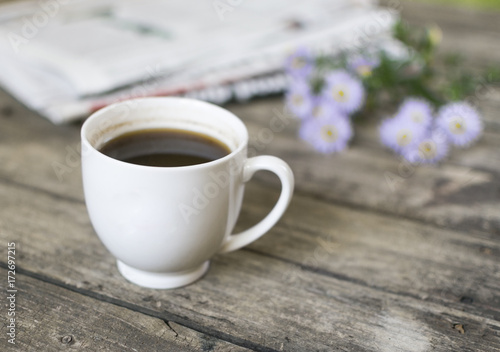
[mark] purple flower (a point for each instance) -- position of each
(399, 134)
(429, 150)
(460, 122)
(306, 129)
(299, 99)
(363, 66)
(300, 63)
(327, 135)
(322, 108)
(344, 91)
(416, 111)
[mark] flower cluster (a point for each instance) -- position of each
(325, 99)
(422, 138)
(325, 112)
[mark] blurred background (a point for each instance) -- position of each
(478, 4)
(66, 59)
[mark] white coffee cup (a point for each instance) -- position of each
(163, 224)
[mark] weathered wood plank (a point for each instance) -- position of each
(458, 194)
(473, 33)
(454, 17)
(30, 145)
(51, 318)
(266, 302)
(358, 177)
(314, 221)
(481, 156)
(381, 283)
(386, 253)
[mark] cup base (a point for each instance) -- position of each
(162, 280)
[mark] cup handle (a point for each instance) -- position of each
(283, 171)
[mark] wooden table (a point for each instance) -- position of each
(354, 265)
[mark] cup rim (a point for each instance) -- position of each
(98, 114)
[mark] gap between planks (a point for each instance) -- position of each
(242, 271)
(167, 317)
(308, 268)
(64, 288)
(298, 191)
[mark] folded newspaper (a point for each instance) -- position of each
(66, 59)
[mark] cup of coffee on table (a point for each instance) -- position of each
(164, 180)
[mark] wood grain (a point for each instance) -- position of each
(350, 178)
(473, 33)
(295, 299)
(355, 264)
(51, 318)
(382, 252)
(461, 193)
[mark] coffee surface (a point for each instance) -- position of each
(165, 148)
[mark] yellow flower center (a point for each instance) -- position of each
(364, 70)
(457, 125)
(416, 117)
(404, 138)
(297, 99)
(340, 94)
(435, 35)
(329, 133)
(427, 149)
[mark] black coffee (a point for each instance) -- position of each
(165, 147)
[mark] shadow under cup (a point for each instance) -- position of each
(163, 224)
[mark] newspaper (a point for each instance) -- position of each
(65, 59)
